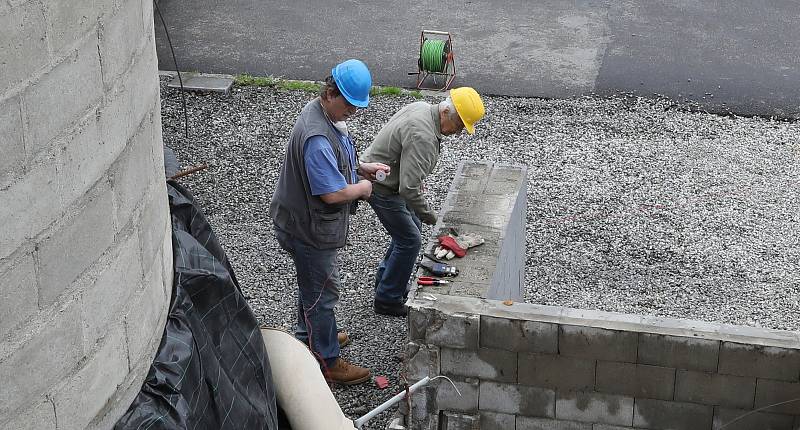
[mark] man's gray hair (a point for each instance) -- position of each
(448, 103)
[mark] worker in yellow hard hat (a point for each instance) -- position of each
(410, 144)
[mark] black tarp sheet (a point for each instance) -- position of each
(211, 370)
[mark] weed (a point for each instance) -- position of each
(311, 87)
(386, 91)
(256, 81)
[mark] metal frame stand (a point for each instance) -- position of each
(449, 67)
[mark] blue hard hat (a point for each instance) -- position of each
(354, 82)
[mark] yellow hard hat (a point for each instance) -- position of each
(468, 105)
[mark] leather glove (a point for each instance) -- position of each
(456, 246)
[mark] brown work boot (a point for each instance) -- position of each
(345, 373)
(343, 339)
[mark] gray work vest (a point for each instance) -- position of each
(293, 208)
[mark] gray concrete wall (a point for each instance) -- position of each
(489, 199)
(85, 249)
(523, 366)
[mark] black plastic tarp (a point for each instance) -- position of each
(211, 370)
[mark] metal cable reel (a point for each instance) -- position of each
(435, 60)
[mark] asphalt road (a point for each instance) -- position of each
(723, 56)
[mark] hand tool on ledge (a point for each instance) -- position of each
(430, 280)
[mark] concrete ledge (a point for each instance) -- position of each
(607, 320)
(203, 82)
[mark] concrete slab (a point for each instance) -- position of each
(203, 82)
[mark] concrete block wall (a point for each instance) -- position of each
(488, 199)
(520, 366)
(528, 366)
(85, 245)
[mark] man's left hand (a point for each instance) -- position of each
(368, 170)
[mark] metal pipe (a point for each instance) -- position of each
(400, 396)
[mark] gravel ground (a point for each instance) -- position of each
(634, 206)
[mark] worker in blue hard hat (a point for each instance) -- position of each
(319, 184)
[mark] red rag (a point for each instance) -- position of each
(451, 244)
(381, 382)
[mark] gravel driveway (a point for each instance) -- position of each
(633, 206)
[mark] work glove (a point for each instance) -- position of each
(456, 246)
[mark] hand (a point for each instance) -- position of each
(456, 246)
(366, 189)
(428, 218)
(368, 170)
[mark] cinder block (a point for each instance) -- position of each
(456, 330)
(740, 419)
(497, 421)
(40, 416)
(636, 380)
(62, 339)
(84, 159)
(715, 389)
(784, 395)
(759, 361)
(70, 22)
(518, 335)
(516, 399)
(12, 163)
(92, 231)
(24, 217)
(424, 414)
(457, 421)
(105, 300)
(144, 322)
(448, 399)
(594, 408)
(131, 177)
(661, 414)
(529, 423)
(24, 49)
(18, 295)
(82, 396)
(418, 321)
(77, 82)
(679, 352)
(485, 364)
(152, 228)
(127, 106)
(556, 371)
(117, 47)
(597, 343)
(423, 360)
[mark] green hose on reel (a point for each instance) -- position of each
(433, 55)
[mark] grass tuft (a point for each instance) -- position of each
(386, 91)
(245, 79)
(300, 85)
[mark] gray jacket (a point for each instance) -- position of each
(410, 144)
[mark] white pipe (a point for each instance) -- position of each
(400, 396)
(300, 388)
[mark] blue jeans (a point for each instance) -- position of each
(402, 224)
(318, 293)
